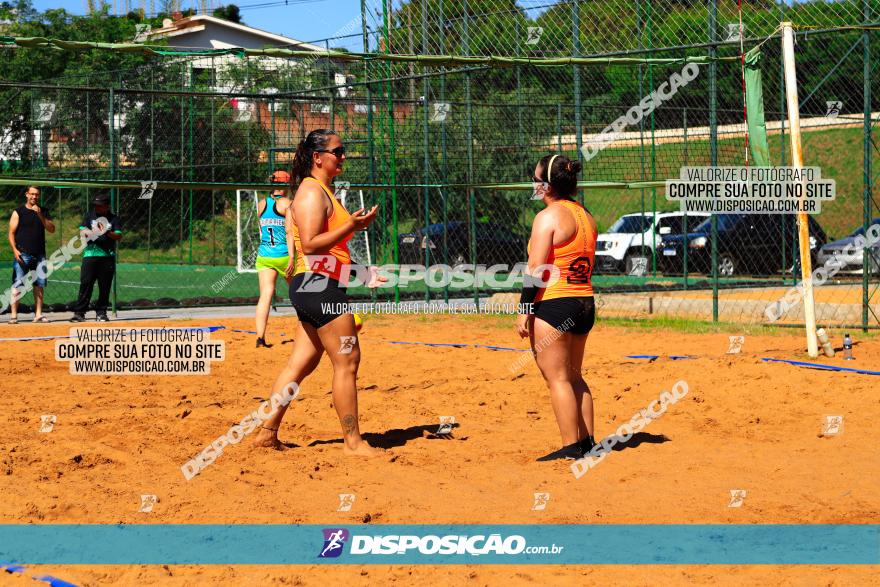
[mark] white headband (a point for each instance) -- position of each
(550, 167)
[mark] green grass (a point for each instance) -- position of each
(151, 282)
(690, 326)
(654, 324)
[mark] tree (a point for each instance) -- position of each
(230, 13)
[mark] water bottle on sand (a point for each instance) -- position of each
(847, 347)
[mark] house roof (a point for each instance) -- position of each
(200, 22)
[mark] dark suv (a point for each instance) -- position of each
(496, 244)
(747, 244)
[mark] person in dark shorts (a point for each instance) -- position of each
(557, 315)
(319, 230)
(27, 238)
(99, 259)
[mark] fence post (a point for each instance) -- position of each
(189, 156)
(787, 221)
(472, 212)
(112, 128)
(60, 219)
(333, 89)
(653, 152)
(152, 166)
(640, 26)
(35, 150)
(181, 176)
(427, 158)
(684, 124)
(868, 177)
(386, 14)
(88, 191)
(213, 175)
(444, 169)
(519, 121)
(713, 144)
(576, 79)
(370, 138)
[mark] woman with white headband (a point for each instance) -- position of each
(557, 312)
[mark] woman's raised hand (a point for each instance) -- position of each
(361, 219)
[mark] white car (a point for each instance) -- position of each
(627, 246)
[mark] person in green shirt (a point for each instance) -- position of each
(99, 258)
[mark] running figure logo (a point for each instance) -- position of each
(833, 425)
(319, 267)
(346, 500)
(347, 344)
(733, 32)
(342, 188)
(147, 503)
(141, 32)
(541, 500)
(534, 33)
(833, 108)
(334, 540)
(737, 496)
(639, 266)
(47, 422)
(46, 111)
(735, 344)
(441, 112)
(147, 189)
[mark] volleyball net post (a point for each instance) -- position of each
(797, 161)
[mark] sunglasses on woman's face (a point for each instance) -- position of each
(338, 151)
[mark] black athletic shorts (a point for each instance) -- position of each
(317, 299)
(575, 315)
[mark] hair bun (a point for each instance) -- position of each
(574, 167)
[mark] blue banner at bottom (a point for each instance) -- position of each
(639, 544)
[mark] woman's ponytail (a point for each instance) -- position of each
(563, 177)
(302, 160)
(302, 165)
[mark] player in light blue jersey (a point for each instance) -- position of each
(272, 257)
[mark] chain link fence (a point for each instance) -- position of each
(423, 139)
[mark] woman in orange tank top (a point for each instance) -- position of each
(558, 310)
(318, 230)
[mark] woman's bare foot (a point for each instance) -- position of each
(362, 449)
(268, 439)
